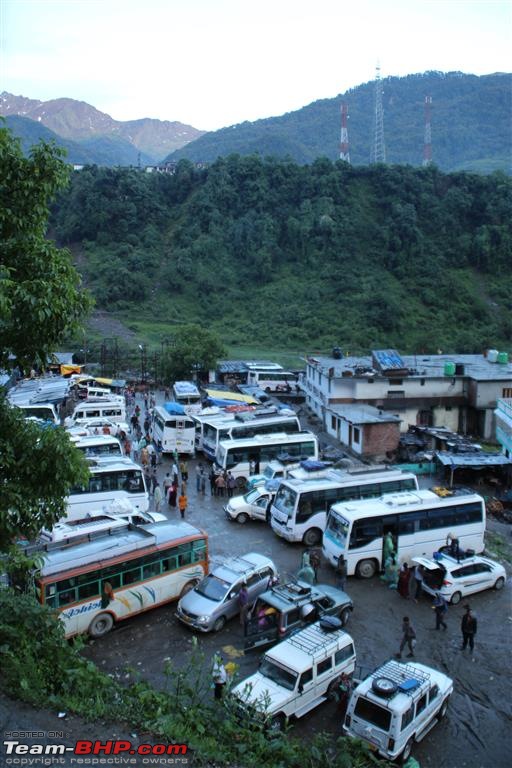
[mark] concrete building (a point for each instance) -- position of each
(503, 415)
(366, 431)
(459, 392)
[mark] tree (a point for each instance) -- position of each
(193, 349)
(40, 301)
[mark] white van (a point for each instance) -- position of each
(110, 409)
(98, 445)
(397, 705)
(298, 674)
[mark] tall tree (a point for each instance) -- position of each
(193, 349)
(40, 300)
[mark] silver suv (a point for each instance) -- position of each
(214, 600)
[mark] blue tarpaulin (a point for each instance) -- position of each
(175, 409)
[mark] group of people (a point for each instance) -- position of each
(171, 484)
(468, 627)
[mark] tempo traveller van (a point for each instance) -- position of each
(109, 409)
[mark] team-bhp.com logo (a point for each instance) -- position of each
(19, 753)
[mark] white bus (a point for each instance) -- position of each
(207, 416)
(110, 479)
(270, 377)
(119, 574)
(186, 393)
(299, 511)
(419, 522)
(175, 431)
(236, 456)
(102, 409)
(245, 425)
(43, 411)
(97, 446)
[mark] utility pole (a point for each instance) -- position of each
(378, 153)
(344, 149)
(427, 142)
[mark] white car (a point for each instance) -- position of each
(455, 579)
(95, 427)
(254, 505)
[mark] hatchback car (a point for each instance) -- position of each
(455, 578)
(214, 600)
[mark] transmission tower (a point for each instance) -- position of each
(427, 142)
(378, 154)
(344, 151)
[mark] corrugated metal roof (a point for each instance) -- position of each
(474, 460)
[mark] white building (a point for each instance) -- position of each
(459, 392)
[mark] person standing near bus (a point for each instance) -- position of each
(182, 503)
(158, 496)
(184, 470)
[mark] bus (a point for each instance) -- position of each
(186, 393)
(96, 446)
(119, 573)
(419, 522)
(247, 424)
(206, 416)
(111, 478)
(299, 511)
(43, 411)
(237, 456)
(270, 377)
(174, 429)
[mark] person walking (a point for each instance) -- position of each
(404, 578)
(408, 638)
(418, 582)
(144, 457)
(341, 573)
(182, 503)
(184, 470)
(174, 471)
(468, 627)
(158, 497)
(173, 492)
(243, 602)
(135, 450)
(440, 607)
(314, 561)
(167, 484)
(219, 676)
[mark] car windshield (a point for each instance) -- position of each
(284, 677)
(269, 472)
(213, 588)
(252, 496)
(373, 713)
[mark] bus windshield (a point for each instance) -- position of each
(285, 500)
(337, 528)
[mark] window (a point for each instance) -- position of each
(292, 617)
(365, 531)
(152, 569)
(373, 713)
(434, 693)
(421, 704)
(88, 590)
(130, 577)
(407, 718)
(67, 596)
(395, 382)
(343, 654)
(357, 435)
(507, 392)
(334, 423)
(305, 678)
(369, 491)
(324, 666)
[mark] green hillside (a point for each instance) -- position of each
(105, 150)
(282, 255)
(470, 125)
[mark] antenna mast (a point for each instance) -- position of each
(427, 142)
(378, 154)
(344, 149)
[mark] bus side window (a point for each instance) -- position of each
(169, 563)
(67, 596)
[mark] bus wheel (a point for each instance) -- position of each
(311, 537)
(366, 569)
(100, 625)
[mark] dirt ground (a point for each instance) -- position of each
(476, 730)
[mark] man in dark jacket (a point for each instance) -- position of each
(468, 627)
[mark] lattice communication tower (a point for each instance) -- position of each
(378, 153)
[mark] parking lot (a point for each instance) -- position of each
(476, 729)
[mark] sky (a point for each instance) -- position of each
(214, 63)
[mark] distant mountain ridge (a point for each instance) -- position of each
(470, 125)
(78, 121)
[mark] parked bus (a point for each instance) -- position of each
(237, 456)
(97, 446)
(110, 479)
(245, 425)
(207, 416)
(299, 511)
(270, 377)
(119, 573)
(102, 409)
(43, 411)
(419, 522)
(175, 431)
(186, 393)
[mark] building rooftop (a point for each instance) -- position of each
(363, 414)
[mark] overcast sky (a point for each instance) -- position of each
(212, 63)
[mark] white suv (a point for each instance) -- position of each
(455, 578)
(397, 705)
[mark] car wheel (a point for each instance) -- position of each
(332, 689)
(219, 624)
(312, 537)
(188, 587)
(278, 723)
(268, 390)
(345, 616)
(101, 625)
(366, 569)
(444, 707)
(456, 598)
(242, 518)
(500, 583)
(384, 686)
(407, 751)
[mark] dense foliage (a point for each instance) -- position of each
(470, 125)
(41, 667)
(40, 301)
(192, 349)
(301, 256)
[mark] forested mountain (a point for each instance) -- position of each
(470, 125)
(305, 256)
(107, 141)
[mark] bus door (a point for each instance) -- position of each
(389, 526)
